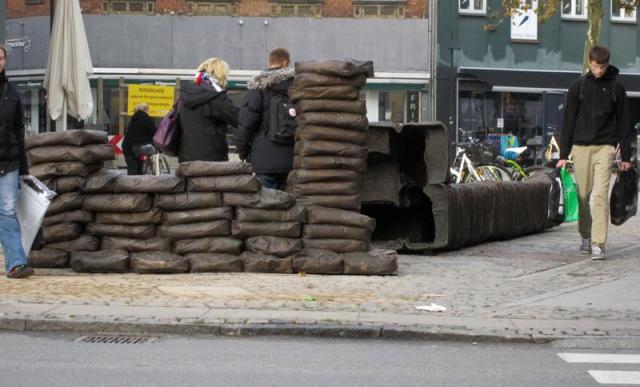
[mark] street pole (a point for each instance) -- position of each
(2, 25)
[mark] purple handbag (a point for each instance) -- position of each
(167, 135)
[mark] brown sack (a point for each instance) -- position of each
(197, 216)
(158, 262)
(232, 183)
(375, 262)
(48, 259)
(324, 215)
(66, 202)
(344, 202)
(330, 231)
(325, 133)
(214, 263)
(153, 216)
(52, 170)
(277, 229)
(336, 67)
(77, 216)
(122, 231)
(188, 201)
(61, 232)
(105, 261)
(83, 243)
(320, 80)
(326, 188)
(301, 176)
(147, 184)
(326, 92)
(267, 199)
(209, 245)
(117, 203)
(102, 180)
(87, 154)
(329, 148)
(70, 137)
(195, 230)
(314, 261)
(213, 168)
(136, 245)
(330, 162)
(358, 106)
(280, 247)
(294, 214)
(338, 120)
(65, 184)
(260, 263)
(336, 245)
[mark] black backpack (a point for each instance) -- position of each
(282, 125)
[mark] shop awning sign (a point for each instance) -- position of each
(524, 22)
(159, 98)
(24, 42)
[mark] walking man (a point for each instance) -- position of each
(13, 164)
(596, 120)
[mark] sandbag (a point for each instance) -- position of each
(158, 262)
(327, 188)
(153, 216)
(335, 67)
(188, 201)
(70, 201)
(102, 180)
(212, 168)
(122, 231)
(344, 202)
(324, 215)
(314, 261)
(104, 261)
(61, 232)
(82, 243)
(375, 262)
(195, 230)
(77, 216)
(51, 170)
(321, 80)
(65, 184)
(266, 198)
(259, 263)
(358, 106)
(147, 184)
(48, 258)
(330, 162)
(70, 137)
(117, 202)
(336, 245)
(231, 183)
(338, 120)
(197, 216)
(294, 214)
(326, 92)
(276, 229)
(325, 133)
(331, 231)
(136, 245)
(300, 176)
(214, 263)
(279, 247)
(329, 148)
(88, 154)
(209, 245)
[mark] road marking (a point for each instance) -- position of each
(616, 377)
(599, 358)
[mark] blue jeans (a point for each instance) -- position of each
(10, 234)
(273, 180)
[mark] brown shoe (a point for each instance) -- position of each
(20, 271)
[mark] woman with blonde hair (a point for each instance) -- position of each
(205, 112)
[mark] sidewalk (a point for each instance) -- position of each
(535, 288)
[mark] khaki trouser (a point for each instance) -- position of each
(593, 170)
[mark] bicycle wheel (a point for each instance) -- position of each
(147, 167)
(534, 171)
(488, 173)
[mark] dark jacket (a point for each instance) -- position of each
(140, 131)
(12, 152)
(204, 115)
(250, 137)
(594, 116)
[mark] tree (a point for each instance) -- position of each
(548, 8)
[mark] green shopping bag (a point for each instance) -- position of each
(571, 201)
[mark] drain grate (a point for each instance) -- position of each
(116, 339)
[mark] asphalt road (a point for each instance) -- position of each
(60, 360)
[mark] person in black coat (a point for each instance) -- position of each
(140, 132)
(271, 161)
(205, 112)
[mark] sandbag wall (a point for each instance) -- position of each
(330, 153)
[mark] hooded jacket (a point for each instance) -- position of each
(12, 152)
(204, 115)
(250, 138)
(594, 116)
(140, 131)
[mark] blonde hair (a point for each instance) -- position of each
(142, 107)
(217, 68)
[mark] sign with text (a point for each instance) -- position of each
(524, 22)
(413, 106)
(159, 99)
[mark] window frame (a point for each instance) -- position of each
(107, 7)
(573, 15)
(623, 19)
(472, 10)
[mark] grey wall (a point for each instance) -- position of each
(182, 42)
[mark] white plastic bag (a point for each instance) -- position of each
(33, 201)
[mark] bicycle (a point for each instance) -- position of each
(464, 171)
(153, 161)
(516, 171)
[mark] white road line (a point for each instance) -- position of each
(616, 377)
(599, 358)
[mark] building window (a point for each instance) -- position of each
(473, 7)
(144, 7)
(620, 13)
(34, 2)
(378, 10)
(211, 8)
(296, 9)
(574, 9)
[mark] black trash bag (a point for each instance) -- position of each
(48, 258)
(624, 197)
(209, 245)
(314, 261)
(214, 263)
(158, 262)
(104, 261)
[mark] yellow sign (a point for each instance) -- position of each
(159, 99)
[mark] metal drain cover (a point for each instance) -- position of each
(116, 339)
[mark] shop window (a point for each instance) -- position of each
(211, 8)
(34, 2)
(574, 9)
(621, 13)
(378, 10)
(391, 106)
(145, 7)
(473, 7)
(296, 9)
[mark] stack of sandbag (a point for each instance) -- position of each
(63, 161)
(330, 152)
(337, 230)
